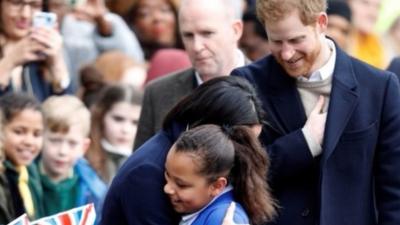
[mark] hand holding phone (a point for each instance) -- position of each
(44, 32)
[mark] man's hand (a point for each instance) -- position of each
(315, 123)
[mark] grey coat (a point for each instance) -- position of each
(160, 96)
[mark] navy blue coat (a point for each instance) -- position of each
(34, 80)
(136, 195)
(357, 177)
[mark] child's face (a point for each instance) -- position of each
(187, 190)
(62, 150)
(120, 124)
(23, 137)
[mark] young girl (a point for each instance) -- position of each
(22, 141)
(210, 166)
(113, 129)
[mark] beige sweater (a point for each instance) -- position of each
(310, 92)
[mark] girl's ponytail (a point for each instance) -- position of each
(249, 174)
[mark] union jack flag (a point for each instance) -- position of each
(22, 220)
(84, 215)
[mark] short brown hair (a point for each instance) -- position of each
(61, 112)
(275, 10)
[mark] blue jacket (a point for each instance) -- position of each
(214, 213)
(34, 82)
(356, 180)
(136, 195)
(91, 188)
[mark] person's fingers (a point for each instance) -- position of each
(319, 107)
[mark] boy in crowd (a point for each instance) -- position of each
(68, 180)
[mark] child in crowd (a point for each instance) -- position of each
(114, 122)
(210, 166)
(68, 180)
(22, 128)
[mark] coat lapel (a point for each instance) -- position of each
(343, 100)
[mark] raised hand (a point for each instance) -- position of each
(315, 123)
(50, 41)
(94, 11)
(91, 10)
(21, 52)
(51, 48)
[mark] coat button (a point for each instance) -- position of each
(305, 212)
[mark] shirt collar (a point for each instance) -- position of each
(326, 70)
(190, 218)
(241, 61)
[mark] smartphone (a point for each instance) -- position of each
(75, 3)
(44, 19)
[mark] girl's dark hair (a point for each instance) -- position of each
(234, 153)
(223, 100)
(109, 96)
(13, 103)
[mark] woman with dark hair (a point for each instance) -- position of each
(136, 194)
(31, 58)
(221, 101)
(113, 129)
(155, 23)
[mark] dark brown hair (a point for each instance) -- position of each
(227, 100)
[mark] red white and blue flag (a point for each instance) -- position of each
(84, 215)
(22, 220)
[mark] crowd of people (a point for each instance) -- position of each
(200, 112)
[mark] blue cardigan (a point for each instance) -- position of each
(33, 81)
(215, 212)
(91, 188)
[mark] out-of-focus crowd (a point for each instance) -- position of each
(78, 97)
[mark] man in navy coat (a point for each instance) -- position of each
(333, 123)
